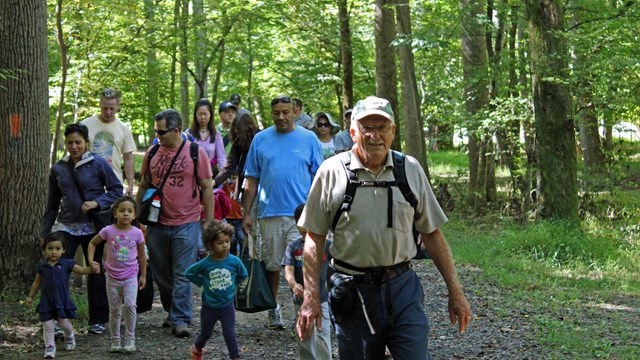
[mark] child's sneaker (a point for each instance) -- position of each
(70, 343)
(129, 345)
(195, 353)
(50, 352)
(115, 346)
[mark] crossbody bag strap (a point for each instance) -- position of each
(76, 180)
(166, 176)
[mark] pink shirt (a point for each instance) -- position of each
(121, 251)
(179, 207)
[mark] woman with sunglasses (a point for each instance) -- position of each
(79, 185)
(327, 129)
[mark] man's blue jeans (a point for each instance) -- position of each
(406, 338)
(172, 249)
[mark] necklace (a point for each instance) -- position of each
(204, 131)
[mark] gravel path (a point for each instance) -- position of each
(496, 331)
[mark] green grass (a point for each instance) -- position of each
(557, 268)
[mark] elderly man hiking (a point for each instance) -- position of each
(376, 299)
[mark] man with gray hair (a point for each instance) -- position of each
(375, 298)
(173, 241)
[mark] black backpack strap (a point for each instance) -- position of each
(350, 191)
(400, 174)
(152, 153)
(193, 152)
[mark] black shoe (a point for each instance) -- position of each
(97, 329)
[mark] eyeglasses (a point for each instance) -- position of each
(327, 125)
(163, 132)
(281, 99)
(369, 130)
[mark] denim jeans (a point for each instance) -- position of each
(406, 338)
(238, 238)
(172, 249)
(96, 283)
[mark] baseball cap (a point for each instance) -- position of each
(225, 105)
(372, 106)
(235, 99)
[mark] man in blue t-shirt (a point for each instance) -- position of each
(280, 165)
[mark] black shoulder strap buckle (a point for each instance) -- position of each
(193, 152)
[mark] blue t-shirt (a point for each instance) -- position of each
(293, 256)
(218, 279)
(285, 165)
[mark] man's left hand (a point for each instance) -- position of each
(460, 311)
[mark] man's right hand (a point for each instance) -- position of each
(310, 313)
(247, 225)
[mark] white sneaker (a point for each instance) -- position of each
(70, 343)
(50, 352)
(129, 345)
(115, 346)
(275, 319)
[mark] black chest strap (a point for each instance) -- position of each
(400, 180)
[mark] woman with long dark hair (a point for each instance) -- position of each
(203, 131)
(71, 201)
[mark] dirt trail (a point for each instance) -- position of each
(496, 332)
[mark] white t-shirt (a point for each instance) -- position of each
(110, 141)
(328, 148)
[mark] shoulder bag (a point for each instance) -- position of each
(253, 294)
(152, 199)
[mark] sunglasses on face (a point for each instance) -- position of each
(281, 99)
(324, 125)
(163, 132)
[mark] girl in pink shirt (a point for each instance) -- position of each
(123, 256)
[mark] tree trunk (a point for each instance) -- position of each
(475, 63)
(184, 64)
(216, 81)
(153, 106)
(413, 132)
(25, 144)
(197, 24)
(386, 81)
(555, 132)
(346, 58)
(64, 67)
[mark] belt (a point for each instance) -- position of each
(377, 274)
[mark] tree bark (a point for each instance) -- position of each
(475, 64)
(413, 132)
(386, 80)
(184, 65)
(25, 143)
(64, 67)
(153, 106)
(346, 58)
(555, 132)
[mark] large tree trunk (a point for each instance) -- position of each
(475, 63)
(25, 142)
(386, 80)
(413, 132)
(346, 57)
(555, 132)
(64, 67)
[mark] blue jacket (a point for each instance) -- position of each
(63, 198)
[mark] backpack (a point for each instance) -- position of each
(193, 153)
(400, 181)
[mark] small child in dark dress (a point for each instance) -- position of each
(52, 276)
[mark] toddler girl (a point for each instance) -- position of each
(218, 275)
(55, 302)
(123, 255)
